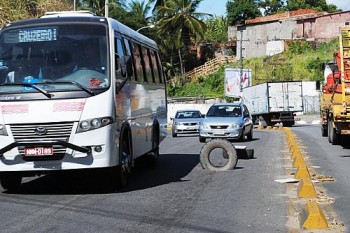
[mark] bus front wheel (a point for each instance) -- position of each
(11, 181)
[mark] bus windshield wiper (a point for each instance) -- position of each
(84, 88)
(46, 93)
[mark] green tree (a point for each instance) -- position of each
(98, 6)
(271, 6)
(179, 19)
(138, 14)
(23, 9)
(216, 29)
(320, 5)
(240, 10)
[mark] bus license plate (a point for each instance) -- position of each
(38, 151)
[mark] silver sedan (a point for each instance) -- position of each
(186, 122)
(227, 120)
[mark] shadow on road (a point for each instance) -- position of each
(170, 168)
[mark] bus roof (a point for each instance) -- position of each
(85, 16)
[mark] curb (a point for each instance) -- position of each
(314, 217)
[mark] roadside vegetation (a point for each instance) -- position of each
(302, 61)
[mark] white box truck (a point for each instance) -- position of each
(275, 102)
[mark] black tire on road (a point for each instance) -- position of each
(174, 134)
(214, 144)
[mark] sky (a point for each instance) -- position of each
(218, 7)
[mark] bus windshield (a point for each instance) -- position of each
(53, 57)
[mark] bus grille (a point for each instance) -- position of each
(54, 132)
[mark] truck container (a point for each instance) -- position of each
(274, 102)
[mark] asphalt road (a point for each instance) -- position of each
(176, 196)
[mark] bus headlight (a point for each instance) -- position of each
(3, 130)
(94, 123)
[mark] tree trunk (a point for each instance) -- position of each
(181, 67)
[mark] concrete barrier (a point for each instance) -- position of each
(313, 217)
(302, 173)
(299, 161)
(306, 189)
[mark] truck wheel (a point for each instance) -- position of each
(11, 182)
(324, 131)
(230, 154)
(330, 130)
(335, 137)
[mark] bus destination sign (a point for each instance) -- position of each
(31, 35)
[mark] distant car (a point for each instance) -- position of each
(186, 122)
(227, 120)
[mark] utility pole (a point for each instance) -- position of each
(241, 29)
(241, 59)
(106, 8)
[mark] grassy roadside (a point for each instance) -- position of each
(300, 61)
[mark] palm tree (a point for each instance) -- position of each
(98, 6)
(139, 12)
(179, 19)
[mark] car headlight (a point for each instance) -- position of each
(178, 123)
(95, 123)
(234, 126)
(3, 130)
(204, 126)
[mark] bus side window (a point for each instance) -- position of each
(138, 62)
(147, 65)
(155, 67)
(159, 66)
(119, 55)
(129, 53)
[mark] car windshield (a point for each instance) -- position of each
(224, 111)
(53, 57)
(188, 114)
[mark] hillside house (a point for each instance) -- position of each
(266, 35)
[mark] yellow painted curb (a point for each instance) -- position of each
(299, 161)
(296, 153)
(260, 127)
(302, 173)
(306, 189)
(269, 127)
(315, 217)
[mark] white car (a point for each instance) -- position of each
(227, 120)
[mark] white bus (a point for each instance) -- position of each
(78, 91)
